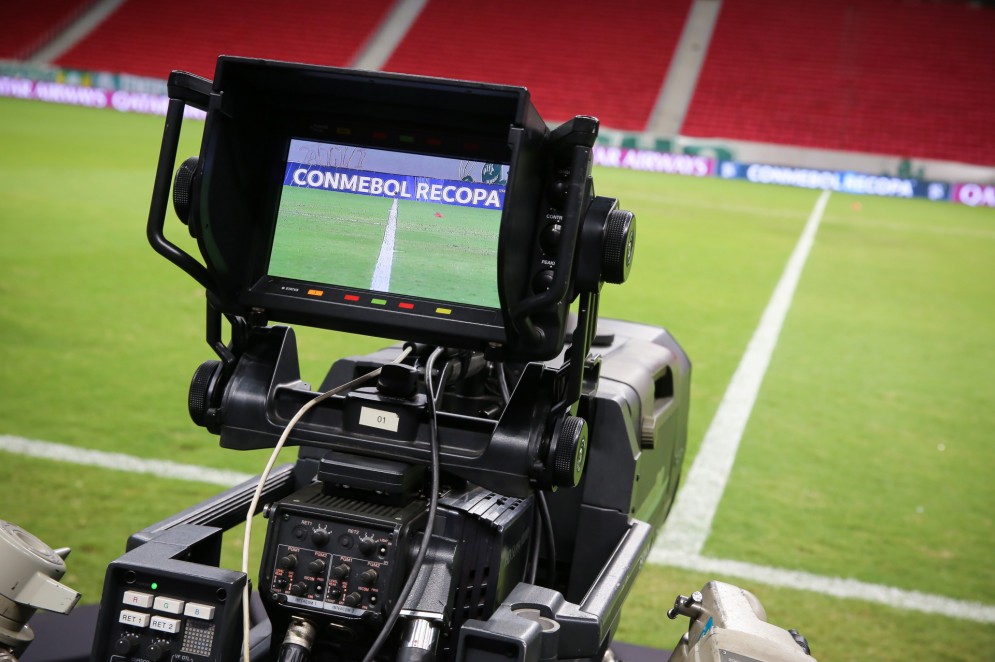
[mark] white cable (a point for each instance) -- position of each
(257, 495)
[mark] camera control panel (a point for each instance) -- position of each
(335, 556)
(160, 615)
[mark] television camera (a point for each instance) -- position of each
(486, 490)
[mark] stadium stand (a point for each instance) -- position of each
(577, 56)
(26, 25)
(153, 37)
(912, 79)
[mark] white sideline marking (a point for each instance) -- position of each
(687, 527)
(385, 262)
(838, 587)
(833, 586)
(120, 462)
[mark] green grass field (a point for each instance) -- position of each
(441, 252)
(328, 237)
(867, 455)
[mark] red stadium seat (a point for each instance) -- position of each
(27, 25)
(911, 79)
(153, 37)
(575, 57)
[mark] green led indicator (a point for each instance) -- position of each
(154, 586)
(407, 139)
(379, 302)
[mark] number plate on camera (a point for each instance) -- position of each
(378, 418)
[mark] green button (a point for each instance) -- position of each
(379, 302)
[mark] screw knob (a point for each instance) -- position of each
(204, 381)
(619, 245)
(569, 455)
(182, 188)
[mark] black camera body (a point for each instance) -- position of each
(497, 488)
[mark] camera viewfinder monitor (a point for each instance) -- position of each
(379, 204)
(375, 232)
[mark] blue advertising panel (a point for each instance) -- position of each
(844, 181)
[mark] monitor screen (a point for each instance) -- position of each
(392, 222)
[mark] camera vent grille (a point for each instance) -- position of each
(353, 506)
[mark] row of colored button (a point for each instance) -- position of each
(403, 305)
(168, 605)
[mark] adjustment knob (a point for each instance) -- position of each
(340, 571)
(367, 545)
(158, 650)
(182, 188)
(202, 386)
(353, 599)
(316, 567)
(549, 238)
(369, 576)
(558, 190)
(288, 562)
(543, 280)
(570, 452)
(125, 645)
(397, 380)
(319, 537)
(618, 246)
(298, 589)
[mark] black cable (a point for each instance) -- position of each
(533, 562)
(547, 527)
(503, 382)
(429, 523)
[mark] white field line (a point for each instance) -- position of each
(120, 462)
(838, 587)
(689, 523)
(833, 586)
(687, 527)
(385, 262)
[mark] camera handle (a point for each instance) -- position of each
(572, 142)
(183, 88)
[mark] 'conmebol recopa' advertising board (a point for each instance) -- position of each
(834, 180)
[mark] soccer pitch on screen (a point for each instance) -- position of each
(867, 455)
(438, 251)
